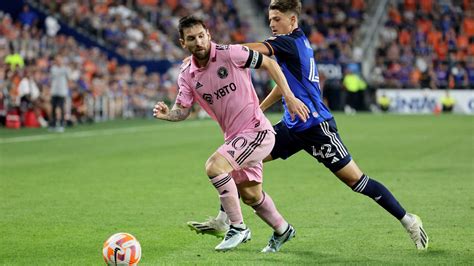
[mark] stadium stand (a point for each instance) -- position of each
(116, 25)
(100, 87)
(427, 44)
(332, 27)
(146, 29)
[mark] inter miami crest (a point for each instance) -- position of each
(208, 98)
(222, 72)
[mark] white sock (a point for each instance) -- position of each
(282, 228)
(222, 217)
(240, 226)
(407, 220)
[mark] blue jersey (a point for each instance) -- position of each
(296, 59)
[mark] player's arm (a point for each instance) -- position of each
(273, 97)
(295, 106)
(259, 47)
(177, 113)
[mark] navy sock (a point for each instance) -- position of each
(380, 194)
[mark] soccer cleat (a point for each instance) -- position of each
(276, 241)
(212, 226)
(417, 233)
(233, 238)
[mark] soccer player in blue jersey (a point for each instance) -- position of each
(318, 136)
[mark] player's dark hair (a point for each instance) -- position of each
(188, 22)
(284, 6)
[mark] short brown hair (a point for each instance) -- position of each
(188, 22)
(284, 6)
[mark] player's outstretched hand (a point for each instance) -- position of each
(297, 107)
(161, 110)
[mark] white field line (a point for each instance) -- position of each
(94, 133)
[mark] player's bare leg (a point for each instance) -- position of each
(215, 226)
(253, 195)
(218, 169)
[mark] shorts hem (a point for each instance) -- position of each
(340, 165)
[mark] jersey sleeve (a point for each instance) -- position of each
(279, 45)
(185, 96)
(245, 57)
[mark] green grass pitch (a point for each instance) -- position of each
(63, 195)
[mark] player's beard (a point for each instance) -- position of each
(202, 54)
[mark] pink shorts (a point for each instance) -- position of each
(245, 152)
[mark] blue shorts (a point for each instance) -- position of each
(321, 141)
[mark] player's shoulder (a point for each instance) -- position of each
(223, 51)
(286, 37)
(231, 47)
(185, 65)
(222, 47)
(279, 37)
(229, 51)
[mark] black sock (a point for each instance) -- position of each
(380, 194)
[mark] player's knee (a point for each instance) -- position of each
(349, 174)
(250, 199)
(209, 166)
(212, 168)
(350, 182)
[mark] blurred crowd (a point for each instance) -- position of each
(146, 29)
(427, 44)
(98, 87)
(424, 44)
(331, 27)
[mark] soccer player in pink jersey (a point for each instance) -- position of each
(218, 79)
(318, 135)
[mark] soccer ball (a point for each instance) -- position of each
(122, 249)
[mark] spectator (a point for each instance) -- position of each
(428, 78)
(15, 60)
(442, 75)
(470, 73)
(59, 92)
(79, 113)
(458, 78)
(3, 97)
(447, 102)
(383, 103)
(52, 26)
(28, 17)
(354, 87)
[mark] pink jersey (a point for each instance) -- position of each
(224, 89)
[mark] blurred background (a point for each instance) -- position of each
(112, 59)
